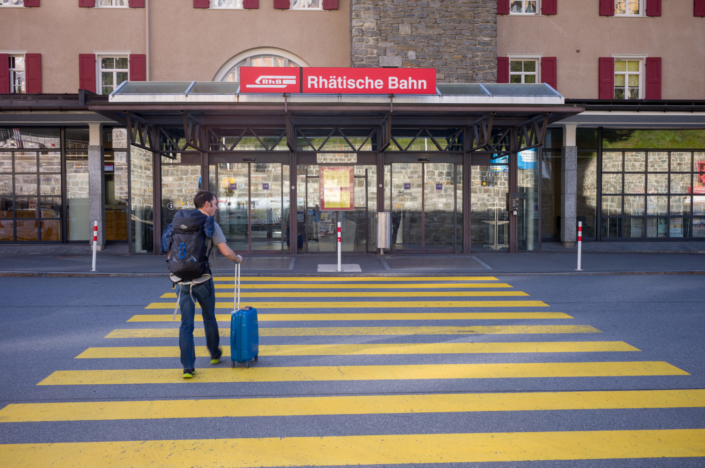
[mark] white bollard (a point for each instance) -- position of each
(580, 243)
(339, 249)
(95, 242)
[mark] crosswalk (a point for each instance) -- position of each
(408, 341)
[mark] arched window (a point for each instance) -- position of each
(264, 57)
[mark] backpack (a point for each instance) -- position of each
(166, 239)
(189, 246)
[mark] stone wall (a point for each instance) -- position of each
(456, 37)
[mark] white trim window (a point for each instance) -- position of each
(11, 3)
(524, 7)
(113, 70)
(17, 75)
(306, 4)
(259, 61)
(226, 4)
(628, 78)
(112, 3)
(630, 8)
(524, 70)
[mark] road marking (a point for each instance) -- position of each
(357, 373)
(356, 278)
(370, 349)
(368, 286)
(366, 331)
(363, 450)
(367, 316)
(363, 304)
(276, 294)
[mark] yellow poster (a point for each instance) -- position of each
(336, 187)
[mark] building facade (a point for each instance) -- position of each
(626, 157)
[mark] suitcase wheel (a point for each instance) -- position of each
(248, 364)
(232, 364)
(256, 358)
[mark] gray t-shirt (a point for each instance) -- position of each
(218, 236)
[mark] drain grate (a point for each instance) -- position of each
(423, 262)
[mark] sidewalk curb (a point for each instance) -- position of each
(23, 274)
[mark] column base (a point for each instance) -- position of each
(568, 245)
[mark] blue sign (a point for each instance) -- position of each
(502, 160)
(407, 186)
(527, 159)
(233, 186)
(439, 186)
(265, 186)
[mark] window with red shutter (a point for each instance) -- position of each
(606, 73)
(502, 7)
(653, 78)
(250, 4)
(86, 72)
(86, 3)
(31, 3)
(281, 4)
(606, 7)
(653, 7)
(138, 67)
(699, 8)
(549, 71)
(4, 73)
(330, 4)
(33, 73)
(502, 69)
(201, 3)
(136, 3)
(549, 7)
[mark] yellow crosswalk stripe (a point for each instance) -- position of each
(276, 294)
(363, 450)
(343, 279)
(369, 349)
(363, 304)
(365, 404)
(368, 286)
(367, 316)
(356, 373)
(366, 331)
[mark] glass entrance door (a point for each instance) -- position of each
(488, 215)
(251, 205)
(426, 211)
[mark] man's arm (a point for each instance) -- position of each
(228, 252)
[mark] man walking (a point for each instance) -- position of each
(194, 234)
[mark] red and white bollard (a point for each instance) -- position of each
(580, 244)
(95, 242)
(340, 267)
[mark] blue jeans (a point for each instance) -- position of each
(205, 295)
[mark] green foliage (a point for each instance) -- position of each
(656, 139)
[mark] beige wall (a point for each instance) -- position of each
(186, 43)
(677, 37)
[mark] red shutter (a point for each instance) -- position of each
(86, 72)
(699, 7)
(33, 73)
(330, 4)
(606, 89)
(653, 7)
(502, 7)
(653, 78)
(86, 3)
(201, 3)
(549, 71)
(136, 4)
(31, 3)
(138, 67)
(502, 69)
(549, 7)
(281, 4)
(606, 7)
(4, 73)
(250, 4)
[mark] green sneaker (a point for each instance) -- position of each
(189, 373)
(216, 359)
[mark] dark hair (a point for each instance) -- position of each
(202, 197)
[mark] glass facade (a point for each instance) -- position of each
(488, 198)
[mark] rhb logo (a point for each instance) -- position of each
(271, 81)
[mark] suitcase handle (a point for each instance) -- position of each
(237, 287)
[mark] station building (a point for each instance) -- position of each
(118, 111)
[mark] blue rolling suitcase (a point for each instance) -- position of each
(244, 330)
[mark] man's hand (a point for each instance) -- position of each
(239, 259)
(228, 253)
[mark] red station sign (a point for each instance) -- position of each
(338, 80)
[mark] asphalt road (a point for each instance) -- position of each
(590, 387)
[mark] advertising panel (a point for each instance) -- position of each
(336, 188)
